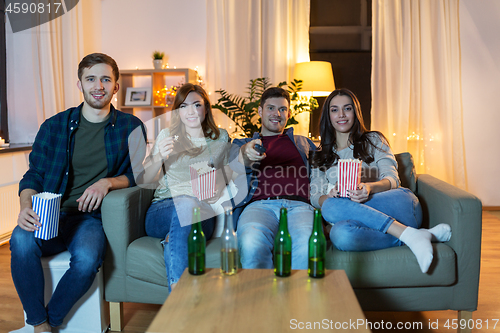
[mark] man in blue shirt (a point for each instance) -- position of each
(82, 154)
(267, 181)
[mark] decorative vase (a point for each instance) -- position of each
(158, 63)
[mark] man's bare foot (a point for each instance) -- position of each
(44, 327)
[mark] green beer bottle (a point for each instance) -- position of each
(196, 246)
(283, 247)
(317, 248)
(229, 246)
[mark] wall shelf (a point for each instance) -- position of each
(155, 115)
(154, 79)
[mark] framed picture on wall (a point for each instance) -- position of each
(138, 96)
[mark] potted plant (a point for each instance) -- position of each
(244, 110)
(158, 59)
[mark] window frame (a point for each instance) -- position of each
(4, 128)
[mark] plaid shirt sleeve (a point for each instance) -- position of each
(33, 178)
(48, 157)
(119, 151)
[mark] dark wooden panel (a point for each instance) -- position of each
(334, 42)
(335, 12)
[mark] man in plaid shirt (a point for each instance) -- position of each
(82, 154)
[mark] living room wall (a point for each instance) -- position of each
(132, 30)
(480, 44)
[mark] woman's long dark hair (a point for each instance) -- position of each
(359, 136)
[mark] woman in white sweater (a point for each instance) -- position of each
(192, 137)
(378, 214)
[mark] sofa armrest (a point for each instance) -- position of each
(123, 212)
(445, 203)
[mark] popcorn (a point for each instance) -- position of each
(203, 179)
(47, 205)
(176, 137)
(349, 175)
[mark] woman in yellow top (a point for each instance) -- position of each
(191, 138)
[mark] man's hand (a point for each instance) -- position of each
(28, 220)
(92, 198)
(361, 194)
(249, 154)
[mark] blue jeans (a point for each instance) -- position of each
(363, 227)
(165, 217)
(79, 233)
(258, 225)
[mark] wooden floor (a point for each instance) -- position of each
(138, 316)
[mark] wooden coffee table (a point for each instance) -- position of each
(255, 300)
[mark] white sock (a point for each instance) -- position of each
(440, 233)
(419, 242)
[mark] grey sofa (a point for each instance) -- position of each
(384, 280)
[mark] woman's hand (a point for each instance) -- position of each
(361, 194)
(334, 193)
(166, 147)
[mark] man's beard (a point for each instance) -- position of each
(97, 104)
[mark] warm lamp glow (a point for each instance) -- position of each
(316, 76)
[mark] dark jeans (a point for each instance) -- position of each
(79, 233)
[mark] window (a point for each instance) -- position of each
(4, 132)
(340, 33)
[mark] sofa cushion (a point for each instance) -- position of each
(145, 259)
(406, 171)
(394, 267)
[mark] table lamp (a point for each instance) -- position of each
(317, 81)
(316, 76)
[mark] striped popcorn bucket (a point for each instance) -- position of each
(203, 184)
(349, 176)
(47, 206)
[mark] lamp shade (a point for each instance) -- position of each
(316, 76)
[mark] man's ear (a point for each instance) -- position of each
(260, 111)
(117, 87)
(79, 85)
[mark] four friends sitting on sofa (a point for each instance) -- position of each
(378, 214)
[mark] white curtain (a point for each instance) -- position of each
(416, 83)
(254, 38)
(44, 82)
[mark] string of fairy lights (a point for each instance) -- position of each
(165, 96)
